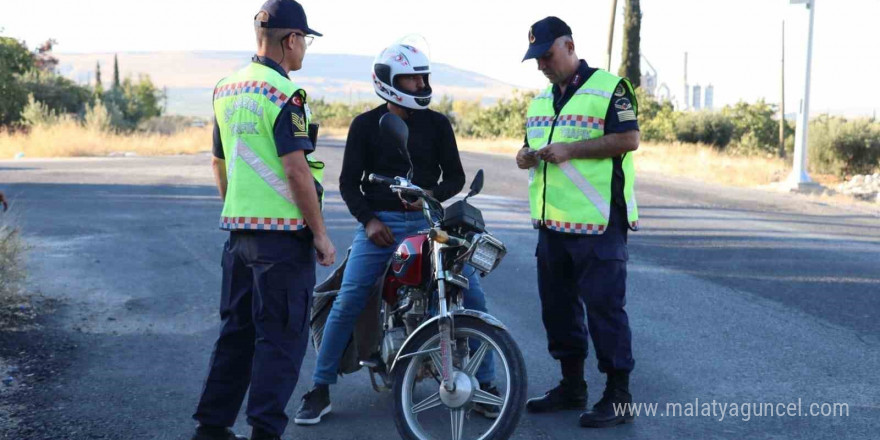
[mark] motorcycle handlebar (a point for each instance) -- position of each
(375, 178)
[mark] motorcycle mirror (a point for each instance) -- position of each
(476, 184)
(394, 130)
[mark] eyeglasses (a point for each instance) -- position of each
(307, 38)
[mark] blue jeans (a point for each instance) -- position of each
(365, 264)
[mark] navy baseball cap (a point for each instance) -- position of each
(543, 33)
(285, 14)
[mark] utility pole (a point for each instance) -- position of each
(782, 99)
(611, 34)
(799, 179)
(687, 94)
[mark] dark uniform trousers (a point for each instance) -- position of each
(582, 275)
(268, 279)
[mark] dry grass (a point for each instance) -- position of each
(335, 133)
(694, 161)
(710, 165)
(71, 140)
(502, 146)
(15, 308)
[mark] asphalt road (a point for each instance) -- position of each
(737, 296)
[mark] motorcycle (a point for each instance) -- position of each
(415, 337)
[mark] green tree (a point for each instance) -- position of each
(15, 59)
(656, 119)
(43, 58)
(116, 82)
(99, 87)
(754, 128)
(60, 94)
(629, 66)
(140, 100)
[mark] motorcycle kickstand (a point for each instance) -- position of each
(375, 369)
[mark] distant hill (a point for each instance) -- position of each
(190, 76)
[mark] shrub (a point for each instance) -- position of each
(337, 114)
(36, 114)
(11, 262)
(506, 118)
(704, 127)
(656, 119)
(58, 93)
(842, 147)
(755, 129)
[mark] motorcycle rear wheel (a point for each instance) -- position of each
(421, 414)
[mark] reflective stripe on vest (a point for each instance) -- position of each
(263, 170)
(246, 106)
(575, 196)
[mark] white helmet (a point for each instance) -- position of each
(402, 59)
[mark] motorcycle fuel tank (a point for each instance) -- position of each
(409, 260)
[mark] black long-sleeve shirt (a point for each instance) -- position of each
(434, 155)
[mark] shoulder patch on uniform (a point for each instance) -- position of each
(297, 100)
(626, 115)
(623, 104)
(619, 91)
(299, 125)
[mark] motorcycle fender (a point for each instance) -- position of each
(407, 345)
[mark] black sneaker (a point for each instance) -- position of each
(487, 410)
(615, 406)
(204, 432)
(316, 404)
(566, 395)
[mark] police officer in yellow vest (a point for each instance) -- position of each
(581, 134)
(271, 187)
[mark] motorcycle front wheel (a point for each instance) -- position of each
(424, 410)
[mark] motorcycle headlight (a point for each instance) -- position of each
(486, 253)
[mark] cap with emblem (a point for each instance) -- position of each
(543, 33)
(285, 14)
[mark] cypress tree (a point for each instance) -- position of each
(632, 23)
(99, 87)
(116, 82)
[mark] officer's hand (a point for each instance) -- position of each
(526, 158)
(555, 153)
(325, 250)
(379, 233)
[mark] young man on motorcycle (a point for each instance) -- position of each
(400, 77)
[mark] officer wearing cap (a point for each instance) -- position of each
(581, 134)
(271, 187)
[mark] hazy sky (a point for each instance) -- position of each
(734, 45)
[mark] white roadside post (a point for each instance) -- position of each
(799, 180)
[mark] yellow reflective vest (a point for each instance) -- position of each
(575, 196)
(246, 106)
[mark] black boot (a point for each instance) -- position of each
(316, 404)
(205, 432)
(615, 407)
(569, 394)
(261, 434)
